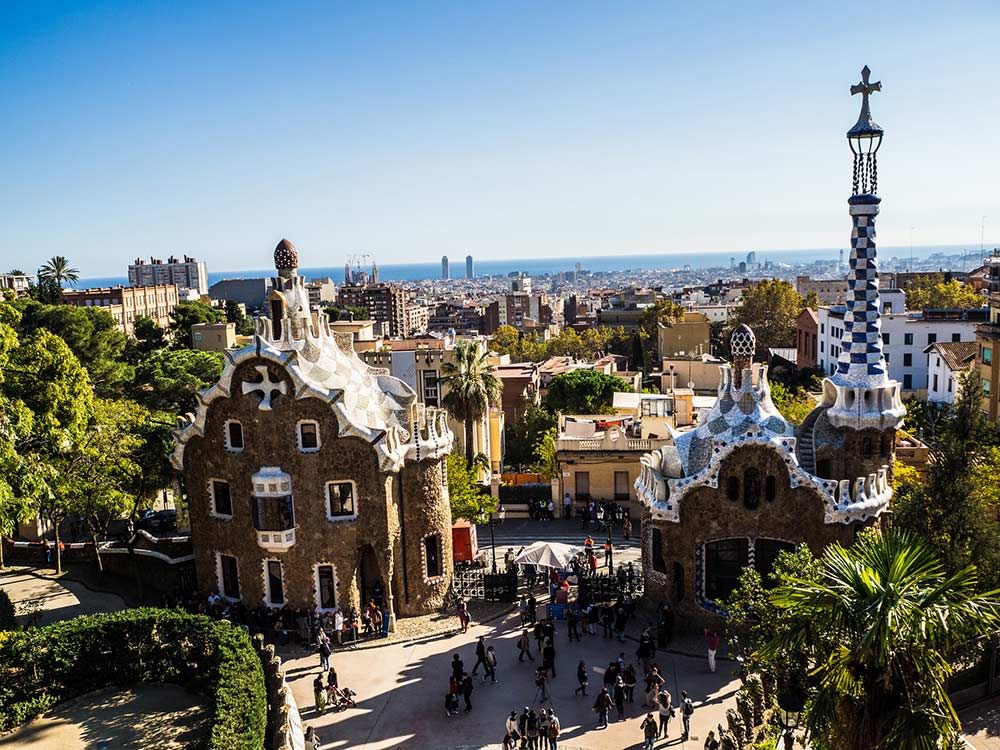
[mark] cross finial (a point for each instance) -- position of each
(865, 88)
(865, 126)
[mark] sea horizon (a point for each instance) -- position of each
(591, 264)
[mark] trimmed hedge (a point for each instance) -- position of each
(43, 666)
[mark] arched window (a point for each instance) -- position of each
(751, 488)
(733, 489)
(656, 551)
(432, 555)
(678, 582)
(770, 488)
(867, 448)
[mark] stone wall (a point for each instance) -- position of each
(426, 513)
(707, 514)
(284, 724)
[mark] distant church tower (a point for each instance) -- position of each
(860, 402)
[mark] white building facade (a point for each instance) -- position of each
(946, 362)
(188, 273)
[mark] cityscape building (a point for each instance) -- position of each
(188, 273)
(444, 268)
(470, 271)
(126, 303)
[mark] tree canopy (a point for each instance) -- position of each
(584, 392)
(58, 269)
(587, 346)
(469, 500)
(770, 307)
(167, 379)
(932, 292)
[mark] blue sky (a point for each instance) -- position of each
(502, 130)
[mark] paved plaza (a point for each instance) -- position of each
(56, 598)
(401, 692)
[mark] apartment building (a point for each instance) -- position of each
(126, 303)
(385, 303)
(188, 273)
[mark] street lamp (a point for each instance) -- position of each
(791, 703)
(493, 541)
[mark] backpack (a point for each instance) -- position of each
(687, 707)
(554, 728)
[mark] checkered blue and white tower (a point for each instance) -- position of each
(860, 395)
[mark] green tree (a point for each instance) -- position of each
(793, 403)
(770, 307)
(235, 314)
(663, 311)
(185, 315)
(149, 335)
(469, 500)
(93, 336)
(168, 378)
(472, 388)
(877, 628)
(522, 435)
(953, 509)
(932, 292)
(544, 450)
(583, 392)
(46, 291)
(58, 269)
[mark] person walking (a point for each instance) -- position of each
(712, 639)
(601, 706)
(491, 665)
(462, 610)
(663, 707)
(549, 657)
(710, 742)
(687, 709)
(324, 652)
(608, 549)
(540, 681)
(649, 731)
(620, 698)
(480, 655)
(630, 680)
(627, 527)
(554, 729)
(539, 635)
(467, 690)
(522, 607)
(532, 608)
(581, 678)
(457, 668)
(524, 647)
(319, 693)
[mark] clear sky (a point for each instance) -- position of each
(506, 129)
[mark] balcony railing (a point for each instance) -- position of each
(607, 443)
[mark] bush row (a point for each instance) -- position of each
(7, 621)
(43, 666)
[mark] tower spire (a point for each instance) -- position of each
(860, 393)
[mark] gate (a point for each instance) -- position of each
(476, 583)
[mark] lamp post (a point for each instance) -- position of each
(791, 704)
(493, 542)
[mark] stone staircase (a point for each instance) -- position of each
(806, 444)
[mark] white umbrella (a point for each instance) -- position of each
(548, 554)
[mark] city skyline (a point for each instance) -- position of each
(415, 132)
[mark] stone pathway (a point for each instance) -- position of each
(151, 717)
(981, 725)
(401, 690)
(57, 598)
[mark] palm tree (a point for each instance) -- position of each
(472, 388)
(877, 628)
(58, 269)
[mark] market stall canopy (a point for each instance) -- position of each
(548, 554)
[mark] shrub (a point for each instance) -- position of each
(7, 621)
(42, 666)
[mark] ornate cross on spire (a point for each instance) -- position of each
(266, 388)
(865, 125)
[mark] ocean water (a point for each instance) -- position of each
(594, 264)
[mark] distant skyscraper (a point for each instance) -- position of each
(347, 273)
(444, 267)
(374, 272)
(470, 269)
(751, 259)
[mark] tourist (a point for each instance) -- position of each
(549, 657)
(591, 614)
(319, 693)
(710, 742)
(551, 510)
(608, 621)
(462, 610)
(567, 507)
(581, 678)
(338, 626)
(663, 707)
(572, 618)
(627, 527)
(491, 665)
(608, 549)
(524, 647)
(645, 651)
(522, 607)
(653, 682)
(467, 690)
(592, 562)
(531, 728)
(331, 681)
(630, 679)
(687, 709)
(376, 621)
(543, 729)
(313, 741)
(480, 655)
(539, 635)
(532, 608)
(457, 667)
(511, 726)
(601, 706)
(554, 729)
(712, 642)
(522, 726)
(619, 693)
(649, 731)
(664, 624)
(324, 652)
